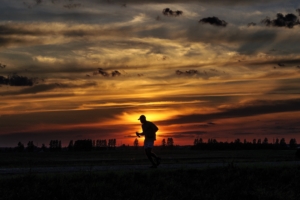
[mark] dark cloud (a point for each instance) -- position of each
(104, 73)
(62, 117)
(13, 30)
(32, 90)
(16, 80)
(285, 61)
(203, 74)
(10, 29)
(13, 34)
(251, 108)
(14, 41)
(293, 89)
(287, 86)
(115, 73)
(289, 21)
(188, 72)
(213, 21)
(39, 88)
(169, 12)
(23, 30)
(262, 107)
(3, 80)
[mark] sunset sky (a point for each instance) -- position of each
(222, 69)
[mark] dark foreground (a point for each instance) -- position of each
(124, 174)
(227, 182)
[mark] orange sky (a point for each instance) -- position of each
(74, 70)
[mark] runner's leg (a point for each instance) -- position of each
(149, 155)
(158, 159)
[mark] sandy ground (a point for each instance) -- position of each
(66, 169)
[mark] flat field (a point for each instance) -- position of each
(131, 156)
(235, 178)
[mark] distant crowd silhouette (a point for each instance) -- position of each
(213, 144)
(78, 145)
(199, 144)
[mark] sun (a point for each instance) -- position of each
(133, 117)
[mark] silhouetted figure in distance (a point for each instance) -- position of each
(149, 131)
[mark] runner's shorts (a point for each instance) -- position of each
(148, 144)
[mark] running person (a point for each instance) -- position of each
(149, 131)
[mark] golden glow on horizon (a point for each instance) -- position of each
(132, 118)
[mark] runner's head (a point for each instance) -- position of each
(142, 118)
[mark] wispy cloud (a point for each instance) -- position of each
(257, 107)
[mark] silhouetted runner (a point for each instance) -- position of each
(149, 131)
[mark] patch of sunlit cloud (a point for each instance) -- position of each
(140, 18)
(47, 59)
